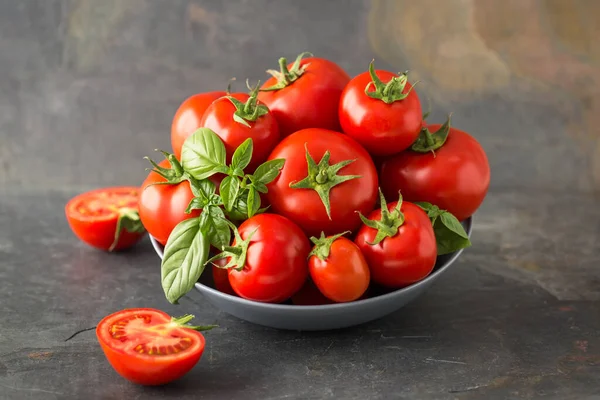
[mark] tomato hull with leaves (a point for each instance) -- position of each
(400, 248)
(106, 218)
(325, 195)
(305, 94)
(237, 118)
(385, 121)
(148, 347)
(455, 177)
(187, 118)
(267, 261)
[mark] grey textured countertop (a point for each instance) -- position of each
(87, 88)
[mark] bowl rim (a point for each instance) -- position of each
(323, 307)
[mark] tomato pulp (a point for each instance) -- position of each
(106, 218)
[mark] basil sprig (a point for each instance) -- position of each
(450, 235)
(203, 155)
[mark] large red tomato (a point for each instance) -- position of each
(162, 206)
(454, 175)
(187, 118)
(148, 347)
(381, 111)
(271, 264)
(305, 94)
(239, 117)
(326, 179)
(399, 246)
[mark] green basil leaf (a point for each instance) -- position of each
(185, 254)
(449, 234)
(432, 210)
(196, 203)
(268, 171)
(242, 155)
(229, 190)
(203, 154)
(215, 227)
(207, 187)
(253, 201)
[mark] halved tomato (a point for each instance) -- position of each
(106, 218)
(148, 347)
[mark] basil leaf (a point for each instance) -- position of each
(253, 201)
(447, 240)
(268, 171)
(242, 155)
(185, 254)
(229, 190)
(450, 222)
(215, 227)
(203, 154)
(206, 187)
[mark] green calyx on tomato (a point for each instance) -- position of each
(128, 220)
(237, 253)
(287, 76)
(450, 235)
(323, 245)
(323, 177)
(390, 221)
(249, 111)
(431, 141)
(387, 92)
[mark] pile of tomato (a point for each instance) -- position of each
(310, 188)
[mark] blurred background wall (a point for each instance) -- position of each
(89, 87)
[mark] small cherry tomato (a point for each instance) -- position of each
(447, 168)
(305, 94)
(381, 111)
(106, 218)
(398, 243)
(310, 295)
(148, 347)
(187, 118)
(338, 268)
(221, 277)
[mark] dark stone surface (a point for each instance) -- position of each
(89, 87)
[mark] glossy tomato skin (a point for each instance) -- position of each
(455, 179)
(162, 207)
(309, 102)
(221, 277)
(187, 118)
(144, 368)
(99, 230)
(304, 206)
(344, 275)
(275, 265)
(383, 129)
(264, 132)
(405, 258)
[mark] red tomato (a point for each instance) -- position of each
(338, 268)
(264, 131)
(162, 207)
(274, 267)
(309, 94)
(187, 118)
(309, 295)
(383, 126)
(404, 258)
(455, 177)
(221, 278)
(148, 347)
(305, 206)
(106, 218)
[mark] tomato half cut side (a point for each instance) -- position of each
(106, 218)
(148, 347)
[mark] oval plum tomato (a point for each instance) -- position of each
(326, 178)
(381, 111)
(237, 118)
(310, 295)
(452, 172)
(106, 218)
(162, 206)
(267, 259)
(398, 243)
(305, 94)
(338, 268)
(148, 347)
(187, 118)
